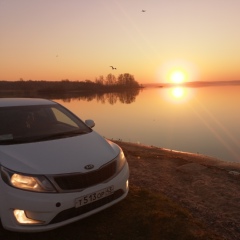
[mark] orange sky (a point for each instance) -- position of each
(79, 40)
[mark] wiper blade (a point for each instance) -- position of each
(60, 135)
(42, 138)
(13, 141)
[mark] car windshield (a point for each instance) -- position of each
(38, 123)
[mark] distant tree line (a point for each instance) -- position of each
(109, 83)
(123, 80)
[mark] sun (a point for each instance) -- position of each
(177, 72)
(177, 76)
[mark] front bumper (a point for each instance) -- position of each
(56, 209)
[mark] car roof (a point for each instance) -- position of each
(14, 102)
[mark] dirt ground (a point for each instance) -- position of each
(207, 187)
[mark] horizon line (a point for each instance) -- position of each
(189, 83)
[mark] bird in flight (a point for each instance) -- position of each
(113, 68)
(143, 10)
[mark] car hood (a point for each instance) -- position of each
(67, 155)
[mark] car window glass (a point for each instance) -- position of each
(61, 117)
(29, 123)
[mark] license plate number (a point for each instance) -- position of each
(92, 197)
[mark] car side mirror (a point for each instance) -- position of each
(90, 123)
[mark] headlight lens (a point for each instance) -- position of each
(121, 160)
(26, 182)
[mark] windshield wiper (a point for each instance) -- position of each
(43, 138)
(13, 141)
(59, 135)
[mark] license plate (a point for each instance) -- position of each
(92, 197)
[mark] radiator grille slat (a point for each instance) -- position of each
(84, 180)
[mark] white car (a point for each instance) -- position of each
(54, 168)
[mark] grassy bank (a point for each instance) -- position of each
(142, 215)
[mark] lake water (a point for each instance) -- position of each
(201, 120)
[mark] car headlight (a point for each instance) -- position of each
(121, 160)
(35, 183)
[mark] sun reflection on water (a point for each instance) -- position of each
(177, 94)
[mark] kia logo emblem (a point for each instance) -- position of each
(89, 166)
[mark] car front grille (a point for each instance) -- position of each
(74, 212)
(76, 181)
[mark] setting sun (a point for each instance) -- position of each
(178, 72)
(177, 77)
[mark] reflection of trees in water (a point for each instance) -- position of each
(124, 96)
(127, 97)
(110, 98)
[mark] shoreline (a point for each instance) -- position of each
(207, 187)
(194, 157)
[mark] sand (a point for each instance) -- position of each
(207, 187)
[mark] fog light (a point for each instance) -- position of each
(23, 219)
